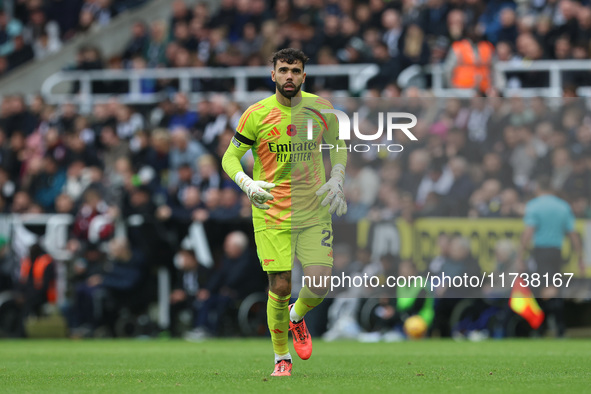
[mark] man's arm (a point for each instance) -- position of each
(574, 238)
(338, 155)
(338, 159)
(231, 160)
(525, 242)
(576, 242)
(255, 190)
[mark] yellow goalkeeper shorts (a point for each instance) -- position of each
(311, 245)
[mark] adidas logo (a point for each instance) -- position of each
(274, 133)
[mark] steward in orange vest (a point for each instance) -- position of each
(37, 279)
(473, 67)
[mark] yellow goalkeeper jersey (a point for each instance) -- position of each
(286, 156)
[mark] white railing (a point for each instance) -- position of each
(358, 75)
(57, 88)
(554, 69)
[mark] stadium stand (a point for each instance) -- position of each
(123, 167)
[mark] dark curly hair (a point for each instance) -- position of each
(290, 56)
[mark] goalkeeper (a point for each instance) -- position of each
(292, 201)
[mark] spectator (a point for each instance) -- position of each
(251, 41)
(180, 14)
(414, 48)
(485, 201)
(105, 12)
(511, 207)
(114, 148)
(418, 164)
(208, 176)
(460, 262)
(137, 43)
(128, 122)
(86, 22)
(157, 154)
(48, 183)
(36, 283)
(578, 182)
(64, 204)
(439, 179)
(495, 168)
(525, 155)
(66, 14)
(562, 168)
(389, 66)
(190, 278)
(19, 118)
(43, 34)
(78, 178)
(508, 29)
(184, 150)
(9, 30)
(183, 115)
(393, 31)
(505, 263)
(118, 282)
(233, 280)
(469, 62)
(461, 189)
(83, 319)
(92, 206)
(154, 52)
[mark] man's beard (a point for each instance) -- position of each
(290, 94)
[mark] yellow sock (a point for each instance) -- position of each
(278, 321)
(306, 301)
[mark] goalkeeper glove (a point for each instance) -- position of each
(336, 195)
(255, 190)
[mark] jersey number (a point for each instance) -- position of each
(328, 234)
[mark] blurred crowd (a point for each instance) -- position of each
(478, 157)
(157, 169)
(34, 29)
(392, 34)
(158, 172)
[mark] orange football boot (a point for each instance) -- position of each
(282, 368)
(302, 341)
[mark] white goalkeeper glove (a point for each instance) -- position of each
(336, 195)
(255, 190)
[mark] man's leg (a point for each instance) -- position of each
(278, 312)
(314, 250)
(310, 296)
(274, 248)
(313, 247)
(313, 292)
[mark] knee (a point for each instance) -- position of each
(280, 283)
(281, 288)
(319, 291)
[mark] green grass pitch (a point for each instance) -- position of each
(239, 365)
